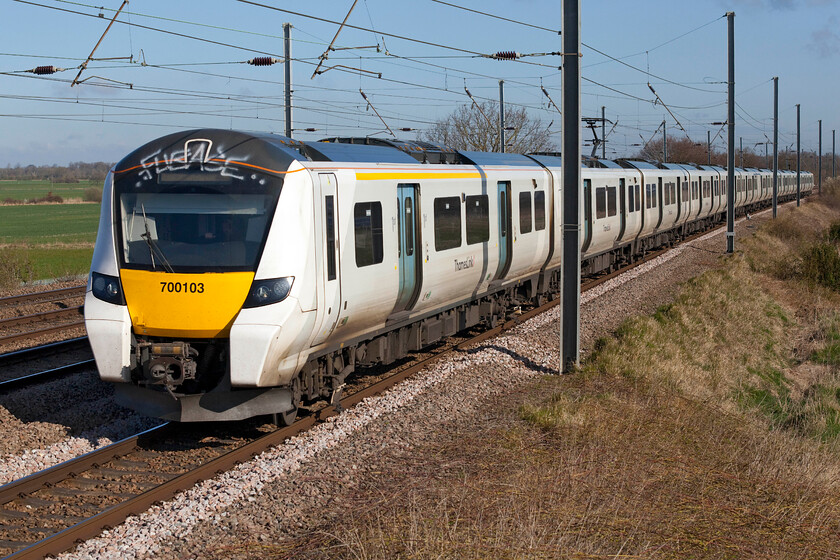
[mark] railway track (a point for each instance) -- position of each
(49, 511)
(38, 352)
(24, 315)
(46, 375)
(43, 297)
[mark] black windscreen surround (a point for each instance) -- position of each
(193, 220)
(200, 200)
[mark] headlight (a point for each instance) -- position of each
(107, 288)
(264, 292)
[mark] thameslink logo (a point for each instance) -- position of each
(464, 264)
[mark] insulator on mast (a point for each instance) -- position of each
(507, 55)
(263, 61)
(45, 70)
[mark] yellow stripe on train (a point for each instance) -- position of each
(184, 305)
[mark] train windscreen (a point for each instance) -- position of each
(194, 221)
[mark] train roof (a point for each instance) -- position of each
(419, 150)
(638, 164)
(548, 160)
(274, 152)
(336, 151)
(496, 158)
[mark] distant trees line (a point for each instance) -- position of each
(73, 173)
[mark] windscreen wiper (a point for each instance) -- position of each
(154, 248)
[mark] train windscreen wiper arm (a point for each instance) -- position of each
(154, 248)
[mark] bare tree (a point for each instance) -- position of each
(476, 128)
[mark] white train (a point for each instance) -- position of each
(239, 274)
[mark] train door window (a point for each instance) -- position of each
(478, 219)
(447, 223)
(647, 195)
(612, 208)
(367, 220)
(600, 203)
(525, 212)
(638, 197)
(399, 231)
(685, 192)
(409, 227)
(329, 214)
(539, 210)
(673, 193)
(631, 205)
(503, 216)
(667, 194)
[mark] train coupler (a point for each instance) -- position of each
(166, 363)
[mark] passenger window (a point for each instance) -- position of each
(600, 203)
(525, 212)
(367, 220)
(539, 210)
(447, 223)
(478, 219)
(611, 202)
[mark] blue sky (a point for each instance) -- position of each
(179, 82)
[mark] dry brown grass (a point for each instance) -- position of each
(708, 430)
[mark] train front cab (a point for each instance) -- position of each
(177, 258)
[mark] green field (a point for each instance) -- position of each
(42, 241)
(48, 224)
(30, 190)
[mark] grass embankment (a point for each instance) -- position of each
(46, 241)
(708, 430)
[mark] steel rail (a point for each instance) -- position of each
(73, 467)
(40, 332)
(44, 316)
(42, 297)
(46, 375)
(35, 352)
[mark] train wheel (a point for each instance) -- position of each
(285, 418)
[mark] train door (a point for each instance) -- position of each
(505, 231)
(332, 284)
(408, 241)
